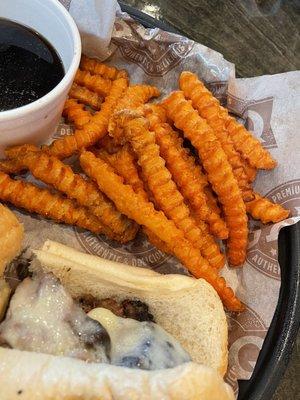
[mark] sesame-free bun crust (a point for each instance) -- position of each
(32, 376)
(187, 308)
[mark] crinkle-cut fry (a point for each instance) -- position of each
(165, 191)
(75, 112)
(95, 83)
(20, 150)
(265, 210)
(50, 205)
(219, 119)
(94, 130)
(137, 95)
(108, 144)
(54, 172)
(133, 102)
(218, 169)
(186, 175)
(211, 199)
(147, 188)
(96, 67)
(193, 89)
(250, 147)
(125, 165)
(157, 242)
(10, 167)
(251, 172)
(143, 212)
(155, 113)
(85, 96)
(118, 89)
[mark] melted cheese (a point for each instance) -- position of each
(137, 344)
(43, 317)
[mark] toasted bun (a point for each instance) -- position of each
(188, 308)
(32, 376)
(11, 235)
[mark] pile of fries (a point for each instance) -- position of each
(141, 174)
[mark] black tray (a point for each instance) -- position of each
(278, 345)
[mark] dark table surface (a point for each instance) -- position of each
(259, 37)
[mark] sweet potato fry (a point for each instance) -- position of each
(94, 130)
(97, 68)
(251, 172)
(263, 209)
(20, 150)
(219, 119)
(52, 171)
(86, 96)
(155, 113)
(211, 199)
(124, 165)
(137, 95)
(143, 212)
(157, 242)
(108, 144)
(94, 83)
(219, 171)
(85, 137)
(186, 175)
(10, 167)
(188, 82)
(76, 113)
(50, 205)
(134, 98)
(165, 192)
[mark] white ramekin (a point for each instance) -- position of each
(37, 121)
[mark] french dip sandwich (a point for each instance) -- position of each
(81, 327)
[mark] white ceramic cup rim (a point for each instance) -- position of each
(59, 89)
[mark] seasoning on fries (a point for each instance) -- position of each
(187, 175)
(50, 205)
(95, 83)
(97, 68)
(86, 96)
(94, 130)
(218, 169)
(164, 190)
(218, 118)
(75, 112)
(143, 212)
(54, 172)
(139, 174)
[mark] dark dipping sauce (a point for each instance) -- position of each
(29, 66)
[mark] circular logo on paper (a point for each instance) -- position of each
(246, 335)
(256, 116)
(153, 53)
(138, 252)
(263, 244)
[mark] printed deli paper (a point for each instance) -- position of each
(267, 105)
